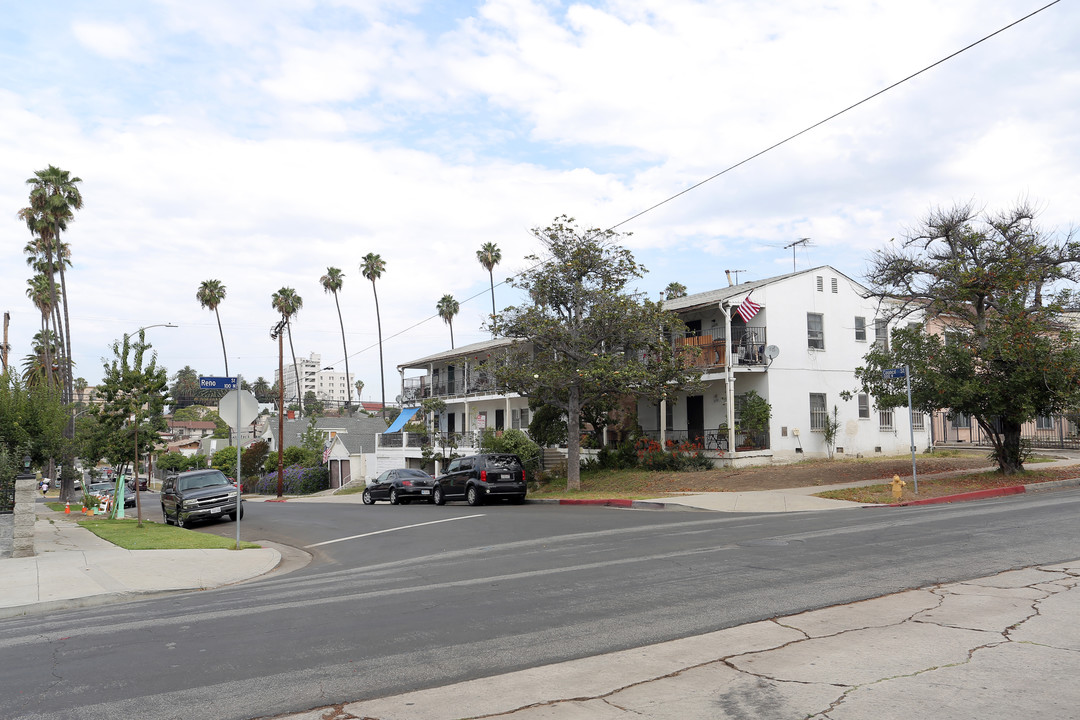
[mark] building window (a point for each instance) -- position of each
(860, 329)
(885, 419)
(669, 416)
(834, 286)
(881, 335)
(864, 406)
(815, 331)
(1044, 422)
(918, 422)
(819, 412)
(959, 420)
(820, 284)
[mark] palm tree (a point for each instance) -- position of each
(42, 295)
(260, 388)
(210, 294)
(332, 282)
(288, 303)
(448, 307)
(36, 368)
(489, 256)
(372, 268)
(54, 195)
(674, 290)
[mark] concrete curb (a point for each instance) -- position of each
(995, 492)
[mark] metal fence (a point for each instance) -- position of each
(7, 496)
(1048, 433)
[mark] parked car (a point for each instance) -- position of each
(107, 490)
(479, 478)
(131, 484)
(400, 486)
(198, 495)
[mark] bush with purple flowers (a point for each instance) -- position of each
(299, 480)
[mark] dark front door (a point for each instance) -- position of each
(500, 419)
(695, 418)
(450, 424)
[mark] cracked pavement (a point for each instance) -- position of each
(1004, 646)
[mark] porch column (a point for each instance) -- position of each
(729, 379)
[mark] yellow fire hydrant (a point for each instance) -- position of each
(897, 487)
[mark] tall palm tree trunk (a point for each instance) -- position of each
(378, 325)
(222, 334)
(491, 278)
(348, 378)
(69, 376)
(296, 370)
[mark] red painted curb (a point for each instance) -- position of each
(277, 500)
(976, 495)
(617, 502)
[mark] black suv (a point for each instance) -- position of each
(198, 495)
(479, 478)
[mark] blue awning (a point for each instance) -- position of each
(403, 418)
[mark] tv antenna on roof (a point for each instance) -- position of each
(800, 241)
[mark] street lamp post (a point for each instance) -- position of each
(135, 409)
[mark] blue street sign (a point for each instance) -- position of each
(217, 383)
(894, 373)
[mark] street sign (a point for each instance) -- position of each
(217, 383)
(248, 410)
(894, 373)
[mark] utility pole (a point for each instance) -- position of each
(800, 241)
(275, 334)
(5, 346)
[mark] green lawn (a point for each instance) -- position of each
(154, 536)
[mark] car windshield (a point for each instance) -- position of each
(202, 481)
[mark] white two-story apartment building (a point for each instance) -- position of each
(798, 351)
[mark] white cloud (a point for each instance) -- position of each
(110, 40)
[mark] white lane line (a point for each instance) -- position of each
(403, 527)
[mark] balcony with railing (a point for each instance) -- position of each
(480, 381)
(709, 348)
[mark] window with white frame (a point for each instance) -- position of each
(819, 412)
(1044, 422)
(815, 331)
(881, 335)
(885, 419)
(918, 421)
(864, 406)
(860, 329)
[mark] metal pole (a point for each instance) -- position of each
(281, 417)
(911, 428)
(239, 476)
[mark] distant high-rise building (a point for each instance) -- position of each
(333, 388)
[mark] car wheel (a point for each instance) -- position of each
(517, 499)
(393, 496)
(437, 496)
(368, 500)
(473, 496)
(168, 520)
(180, 521)
(232, 515)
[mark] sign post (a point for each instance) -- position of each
(229, 383)
(894, 374)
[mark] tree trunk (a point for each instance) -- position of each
(378, 324)
(1007, 447)
(573, 439)
(348, 379)
(296, 372)
(222, 334)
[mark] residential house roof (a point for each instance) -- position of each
(464, 350)
(712, 298)
(357, 434)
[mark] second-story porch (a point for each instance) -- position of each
(709, 348)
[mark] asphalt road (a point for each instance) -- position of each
(400, 598)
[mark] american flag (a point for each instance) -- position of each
(747, 309)
(326, 454)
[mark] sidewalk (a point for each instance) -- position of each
(993, 648)
(75, 568)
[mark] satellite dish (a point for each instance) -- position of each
(771, 351)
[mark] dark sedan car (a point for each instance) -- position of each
(399, 487)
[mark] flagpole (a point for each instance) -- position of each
(729, 381)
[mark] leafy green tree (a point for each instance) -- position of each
(288, 303)
(253, 457)
(313, 404)
(313, 439)
(583, 336)
(210, 294)
(261, 389)
(32, 419)
(489, 256)
(547, 426)
(133, 392)
(332, 282)
(448, 307)
(372, 268)
(185, 387)
(54, 196)
(225, 461)
(997, 287)
(512, 441)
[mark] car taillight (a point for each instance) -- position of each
(483, 476)
(407, 483)
(523, 476)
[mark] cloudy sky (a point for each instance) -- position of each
(259, 143)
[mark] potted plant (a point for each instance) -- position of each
(755, 415)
